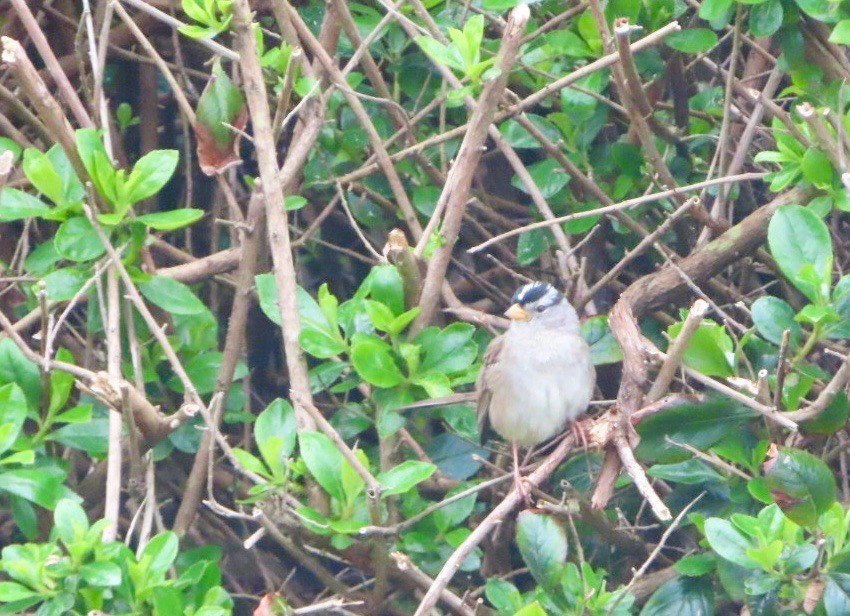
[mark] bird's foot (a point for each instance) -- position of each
(522, 487)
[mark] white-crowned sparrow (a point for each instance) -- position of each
(538, 375)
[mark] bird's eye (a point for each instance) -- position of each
(540, 308)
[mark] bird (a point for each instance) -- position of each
(538, 376)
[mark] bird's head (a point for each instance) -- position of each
(541, 304)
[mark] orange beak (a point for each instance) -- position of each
(517, 313)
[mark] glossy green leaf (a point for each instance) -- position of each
(692, 40)
(159, 554)
(766, 18)
(171, 295)
(17, 369)
(404, 476)
(221, 104)
(150, 174)
(102, 574)
(13, 413)
(71, 522)
(836, 595)
(841, 33)
(448, 350)
(729, 542)
(41, 486)
(324, 461)
(710, 349)
(543, 546)
(710, 10)
(503, 595)
(604, 348)
(91, 437)
(695, 565)
(16, 205)
(373, 360)
(683, 596)
(802, 247)
(76, 240)
(40, 172)
(801, 484)
(697, 424)
(817, 168)
(772, 316)
(64, 283)
(275, 432)
(532, 244)
(171, 220)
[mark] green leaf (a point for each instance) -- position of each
(700, 425)
(40, 172)
(324, 461)
(150, 174)
(683, 596)
(549, 176)
(689, 472)
(17, 369)
(841, 33)
(532, 244)
(766, 18)
(439, 53)
(101, 574)
(16, 205)
(836, 595)
(710, 349)
(695, 565)
(404, 476)
(772, 316)
(64, 283)
(13, 413)
(449, 350)
(543, 546)
(532, 609)
(373, 360)
(71, 523)
(12, 591)
(203, 371)
(503, 595)
(76, 240)
(41, 486)
(817, 168)
(604, 348)
(250, 462)
(294, 202)
(381, 316)
(8, 145)
(692, 40)
(91, 437)
(518, 137)
(172, 296)
(61, 383)
(275, 432)
(317, 336)
(729, 542)
(800, 242)
(171, 220)
(89, 143)
(801, 484)
(221, 103)
(159, 554)
(710, 10)
(385, 285)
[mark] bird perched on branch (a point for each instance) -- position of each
(537, 376)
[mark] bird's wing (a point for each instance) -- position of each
(485, 394)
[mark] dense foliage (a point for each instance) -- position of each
(245, 243)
